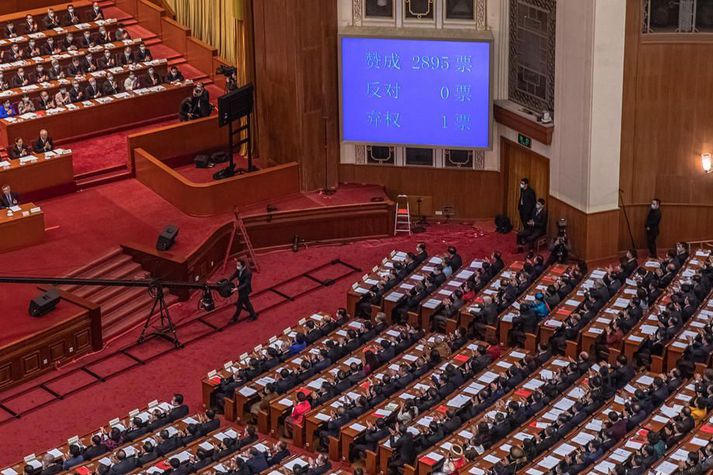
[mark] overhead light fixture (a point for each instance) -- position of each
(706, 162)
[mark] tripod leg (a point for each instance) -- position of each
(170, 328)
(156, 301)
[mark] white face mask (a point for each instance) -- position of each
(654, 206)
(522, 186)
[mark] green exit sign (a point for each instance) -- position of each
(524, 140)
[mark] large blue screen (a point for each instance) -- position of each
(415, 92)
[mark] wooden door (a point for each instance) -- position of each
(518, 162)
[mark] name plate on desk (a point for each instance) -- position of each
(35, 210)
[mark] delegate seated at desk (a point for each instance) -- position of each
(8, 198)
(18, 150)
(7, 110)
(44, 143)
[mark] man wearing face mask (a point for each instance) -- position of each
(526, 205)
(535, 227)
(652, 226)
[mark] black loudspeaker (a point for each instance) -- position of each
(202, 161)
(167, 238)
(43, 304)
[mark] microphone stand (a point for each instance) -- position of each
(626, 218)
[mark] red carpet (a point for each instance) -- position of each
(181, 371)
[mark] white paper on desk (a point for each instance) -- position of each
(621, 302)
(679, 344)
(635, 338)
(321, 416)
(465, 274)
(680, 455)
(595, 425)
(596, 330)
(286, 402)
(106, 461)
(458, 401)
(660, 419)
(55, 453)
(645, 380)
(517, 354)
(9, 471)
(564, 449)
(129, 450)
(358, 427)
(504, 364)
(435, 456)
(583, 438)
(564, 404)
(549, 462)
(534, 471)
(394, 296)
(632, 444)
(620, 455)
(474, 388)
(698, 441)
(533, 384)
(576, 393)
(666, 468)
(648, 329)
(487, 377)
(604, 467)
(432, 303)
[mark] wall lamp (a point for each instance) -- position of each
(707, 162)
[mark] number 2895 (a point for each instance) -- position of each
(432, 63)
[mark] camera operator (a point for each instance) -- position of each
(231, 82)
(559, 249)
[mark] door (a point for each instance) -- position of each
(519, 162)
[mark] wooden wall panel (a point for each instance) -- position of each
(474, 194)
(200, 55)
(592, 236)
(174, 34)
(667, 123)
(149, 16)
(296, 84)
(519, 162)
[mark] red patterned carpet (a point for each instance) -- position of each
(181, 371)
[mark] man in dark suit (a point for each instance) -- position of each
(96, 14)
(51, 20)
(526, 204)
(123, 464)
(111, 86)
(147, 453)
(404, 450)
(179, 409)
(96, 449)
(92, 90)
(76, 94)
(18, 150)
(653, 219)
(20, 79)
(244, 288)
(50, 47)
(43, 143)
(210, 423)
(71, 17)
(143, 54)
(536, 226)
(257, 461)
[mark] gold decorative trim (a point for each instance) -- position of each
(481, 14)
(357, 9)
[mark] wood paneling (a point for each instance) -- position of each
(667, 123)
(474, 194)
(296, 86)
(149, 16)
(326, 224)
(528, 127)
(200, 55)
(590, 235)
(518, 162)
(208, 199)
(74, 336)
(174, 35)
(180, 140)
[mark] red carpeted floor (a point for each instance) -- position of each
(181, 371)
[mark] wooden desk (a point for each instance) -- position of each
(589, 428)
(617, 303)
(231, 367)
(339, 449)
(696, 440)
(401, 290)
(567, 306)
(425, 462)
(21, 231)
(678, 344)
(99, 116)
(363, 286)
(53, 172)
(280, 406)
(86, 439)
(17, 10)
(490, 290)
(64, 59)
(547, 278)
(648, 324)
(52, 87)
(470, 389)
(111, 25)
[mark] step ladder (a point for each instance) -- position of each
(243, 238)
(402, 223)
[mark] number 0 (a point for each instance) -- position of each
(445, 92)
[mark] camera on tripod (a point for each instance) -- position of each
(226, 71)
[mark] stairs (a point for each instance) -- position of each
(122, 308)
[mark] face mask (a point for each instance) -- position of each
(522, 186)
(653, 206)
